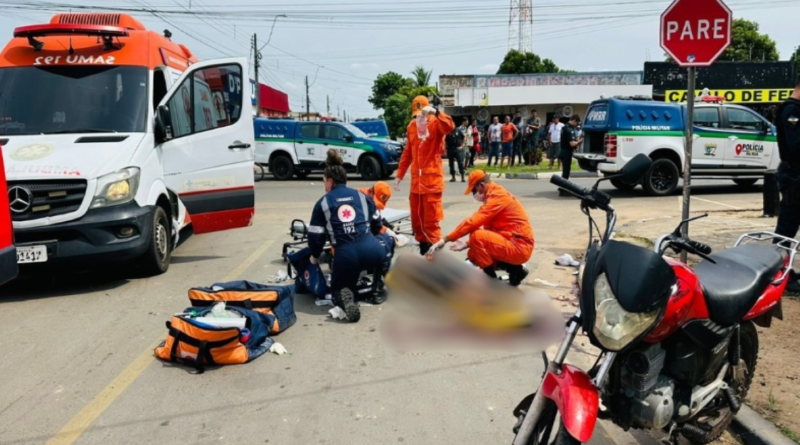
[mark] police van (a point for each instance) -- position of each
(119, 143)
(730, 141)
(297, 148)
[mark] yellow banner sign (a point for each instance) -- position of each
(737, 96)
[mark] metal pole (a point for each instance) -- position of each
(255, 65)
(308, 102)
(687, 163)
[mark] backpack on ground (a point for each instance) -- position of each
(309, 278)
(274, 304)
(197, 344)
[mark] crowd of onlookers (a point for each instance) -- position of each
(521, 141)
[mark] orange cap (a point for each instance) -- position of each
(474, 178)
(382, 194)
(418, 104)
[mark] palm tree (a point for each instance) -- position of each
(421, 77)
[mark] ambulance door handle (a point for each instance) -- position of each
(238, 145)
(325, 144)
(733, 138)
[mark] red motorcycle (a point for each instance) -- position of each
(678, 345)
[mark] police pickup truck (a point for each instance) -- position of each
(730, 142)
(297, 148)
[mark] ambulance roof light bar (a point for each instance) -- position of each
(713, 99)
(61, 29)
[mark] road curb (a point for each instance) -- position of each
(536, 176)
(753, 429)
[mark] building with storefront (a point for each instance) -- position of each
(274, 103)
(761, 86)
(559, 95)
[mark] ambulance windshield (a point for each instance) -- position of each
(73, 99)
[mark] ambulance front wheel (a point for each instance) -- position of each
(156, 260)
(662, 178)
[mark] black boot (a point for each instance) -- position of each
(516, 274)
(452, 178)
(490, 272)
(462, 177)
(793, 286)
(347, 301)
(424, 248)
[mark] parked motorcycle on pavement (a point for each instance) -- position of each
(678, 344)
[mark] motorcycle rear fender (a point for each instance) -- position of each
(769, 300)
(576, 398)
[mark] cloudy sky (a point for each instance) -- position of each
(342, 45)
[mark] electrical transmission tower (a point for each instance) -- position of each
(520, 25)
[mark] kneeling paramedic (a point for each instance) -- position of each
(506, 236)
(350, 220)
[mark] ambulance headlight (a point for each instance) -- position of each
(116, 188)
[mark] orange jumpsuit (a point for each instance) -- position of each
(424, 160)
(507, 235)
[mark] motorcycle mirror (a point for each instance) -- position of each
(635, 169)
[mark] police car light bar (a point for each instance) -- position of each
(61, 29)
(713, 99)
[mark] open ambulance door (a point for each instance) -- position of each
(8, 253)
(204, 131)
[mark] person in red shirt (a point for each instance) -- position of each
(509, 132)
(423, 158)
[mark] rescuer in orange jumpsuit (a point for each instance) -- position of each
(380, 193)
(423, 158)
(499, 232)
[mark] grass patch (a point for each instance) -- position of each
(791, 435)
(541, 168)
(773, 403)
(645, 242)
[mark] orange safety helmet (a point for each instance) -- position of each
(418, 104)
(382, 194)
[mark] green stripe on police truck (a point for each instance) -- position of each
(702, 134)
(363, 147)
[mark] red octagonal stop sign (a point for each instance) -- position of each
(696, 32)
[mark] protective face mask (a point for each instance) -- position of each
(479, 197)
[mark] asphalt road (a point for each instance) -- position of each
(78, 364)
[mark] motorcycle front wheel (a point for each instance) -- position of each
(544, 428)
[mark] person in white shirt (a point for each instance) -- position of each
(495, 136)
(554, 142)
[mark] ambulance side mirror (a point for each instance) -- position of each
(163, 129)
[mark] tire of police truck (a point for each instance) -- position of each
(282, 167)
(370, 168)
(623, 186)
(662, 178)
(156, 260)
(745, 182)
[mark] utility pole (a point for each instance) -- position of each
(308, 102)
(255, 64)
(328, 100)
(338, 113)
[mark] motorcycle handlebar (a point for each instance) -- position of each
(568, 185)
(700, 247)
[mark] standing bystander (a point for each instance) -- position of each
(510, 133)
(569, 142)
(494, 135)
(554, 141)
(788, 125)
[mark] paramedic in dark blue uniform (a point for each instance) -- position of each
(788, 125)
(350, 220)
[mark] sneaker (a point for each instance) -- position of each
(517, 275)
(347, 301)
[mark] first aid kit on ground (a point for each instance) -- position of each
(274, 303)
(196, 339)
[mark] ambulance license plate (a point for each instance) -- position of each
(31, 254)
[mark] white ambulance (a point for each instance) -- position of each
(119, 144)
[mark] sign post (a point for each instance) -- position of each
(694, 33)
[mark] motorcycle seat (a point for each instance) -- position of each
(740, 277)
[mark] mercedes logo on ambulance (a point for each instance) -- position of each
(19, 199)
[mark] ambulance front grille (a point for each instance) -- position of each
(31, 200)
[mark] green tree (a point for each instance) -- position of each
(516, 62)
(386, 85)
(748, 44)
(420, 76)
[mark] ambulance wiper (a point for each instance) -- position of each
(82, 130)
